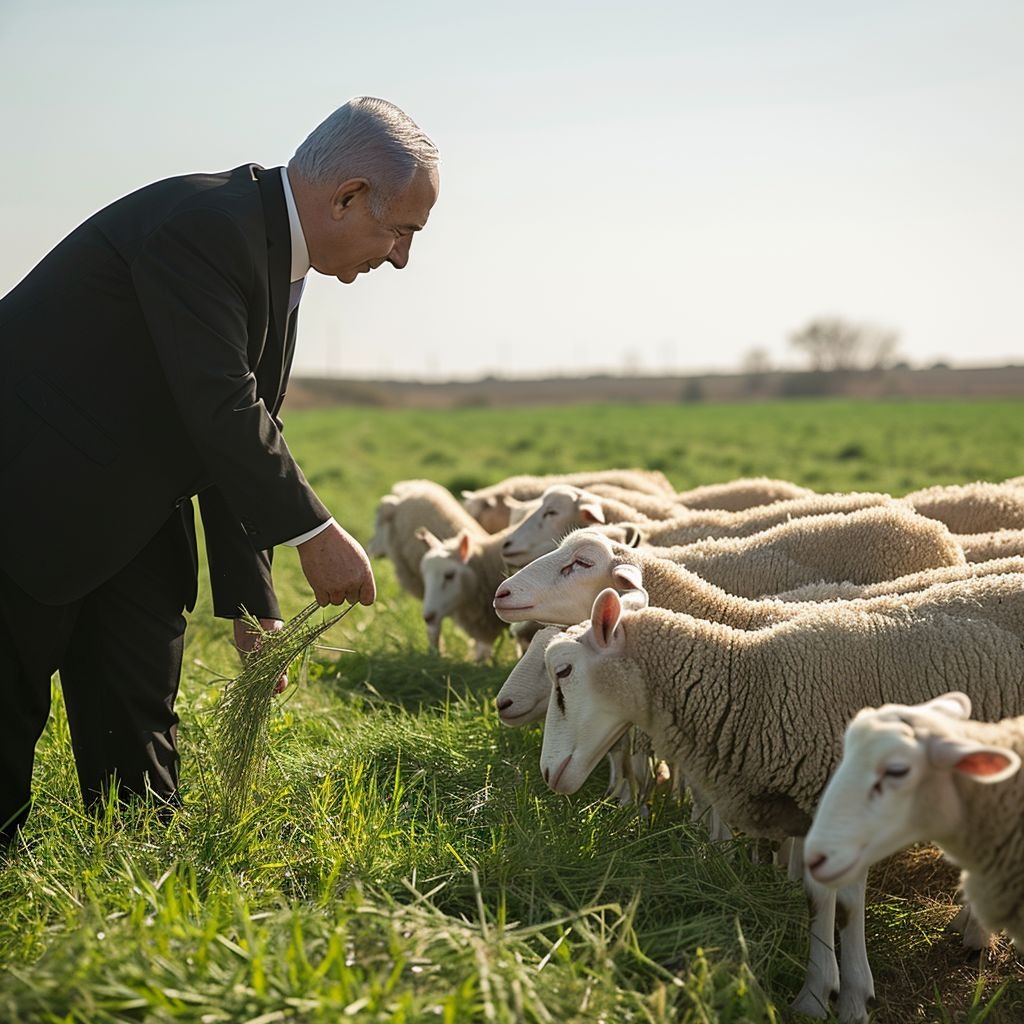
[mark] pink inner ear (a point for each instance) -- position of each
(607, 615)
(982, 763)
(464, 547)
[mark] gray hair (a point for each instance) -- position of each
(366, 138)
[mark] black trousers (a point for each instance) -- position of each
(118, 651)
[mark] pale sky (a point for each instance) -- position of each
(642, 187)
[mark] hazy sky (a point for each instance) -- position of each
(640, 187)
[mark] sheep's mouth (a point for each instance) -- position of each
(830, 876)
(520, 717)
(503, 606)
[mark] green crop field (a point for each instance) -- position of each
(403, 860)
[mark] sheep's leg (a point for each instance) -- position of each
(482, 650)
(822, 968)
(856, 986)
(617, 780)
(795, 861)
(975, 935)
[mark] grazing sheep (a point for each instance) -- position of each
(563, 508)
(825, 591)
(410, 505)
(971, 508)
(560, 587)
(865, 546)
(996, 544)
(490, 505)
(921, 772)
(700, 524)
(651, 506)
(755, 719)
(459, 576)
(746, 492)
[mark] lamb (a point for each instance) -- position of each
(865, 546)
(995, 544)
(490, 507)
(756, 720)
(412, 504)
(746, 492)
(971, 508)
(563, 508)
(915, 773)
(459, 575)
(700, 524)
(560, 587)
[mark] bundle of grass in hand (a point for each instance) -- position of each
(242, 715)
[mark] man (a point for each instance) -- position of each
(144, 361)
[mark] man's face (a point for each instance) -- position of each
(354, 242)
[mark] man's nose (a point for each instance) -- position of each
(399, 255)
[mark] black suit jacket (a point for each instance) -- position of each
(144, 361)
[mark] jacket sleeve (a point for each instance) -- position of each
(195, 278)
(240, 577)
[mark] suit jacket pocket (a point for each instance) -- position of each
(57, 410)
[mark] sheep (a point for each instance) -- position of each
(865, 546)
(563, 507)
(915, 773)
(826, 591)
(412, 504)
(459, 575)
(995, 544)
(700, 524)
(651, 506)
(560, 587)
(756, 718)
(746, 492)
(971, 508)
(490, 506)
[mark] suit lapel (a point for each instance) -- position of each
(270, 371)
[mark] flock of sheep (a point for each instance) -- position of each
(729, 637)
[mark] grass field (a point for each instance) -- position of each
(404, 860)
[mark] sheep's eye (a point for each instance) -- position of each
(549, 512)
(564, 672)
(449, 575)
(584, 564)
(896, 771)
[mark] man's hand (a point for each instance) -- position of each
(337, 568)
(247, 641)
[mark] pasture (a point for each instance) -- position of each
(404, 860)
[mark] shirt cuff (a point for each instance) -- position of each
(309, 534)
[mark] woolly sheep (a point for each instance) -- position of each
(560, 587)
(971, 508)
(490, 505)
(825, 591)
(412, 504)
(865, 546)
(563, 508)
(459, 577)
(915, 773)
(746, 492)
(986, 547)
(756, 720)
(700, 524)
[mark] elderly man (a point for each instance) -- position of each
(144, 361)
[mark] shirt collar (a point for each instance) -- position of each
(300, 253)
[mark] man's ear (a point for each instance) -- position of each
(346, 194)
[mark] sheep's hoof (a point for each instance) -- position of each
(811, 1003)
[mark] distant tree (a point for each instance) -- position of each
(757, 364)
(834, 344)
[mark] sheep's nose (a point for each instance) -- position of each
(429, 616)
(547, 772)
(503, 704)
(502, 592)
(816, 862)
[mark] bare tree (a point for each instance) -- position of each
(832, 343)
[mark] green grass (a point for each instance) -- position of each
(403, 861)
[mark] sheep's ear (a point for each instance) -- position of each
(627, 577)
(590, 511)
(605, 615)
(981, 763)
(464, 550)
(634, 600)
(954, 704)
(468, 495)
(631, 536)
(423, 534)
(511, 502)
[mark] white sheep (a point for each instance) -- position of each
(459, 577)
(700, 524)
(920, 773)
(745, 492)
(995, 544)
(490, 505)
(410, 505)
(560, 588)
(971, 508)
(865, 546)
(755, 719)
